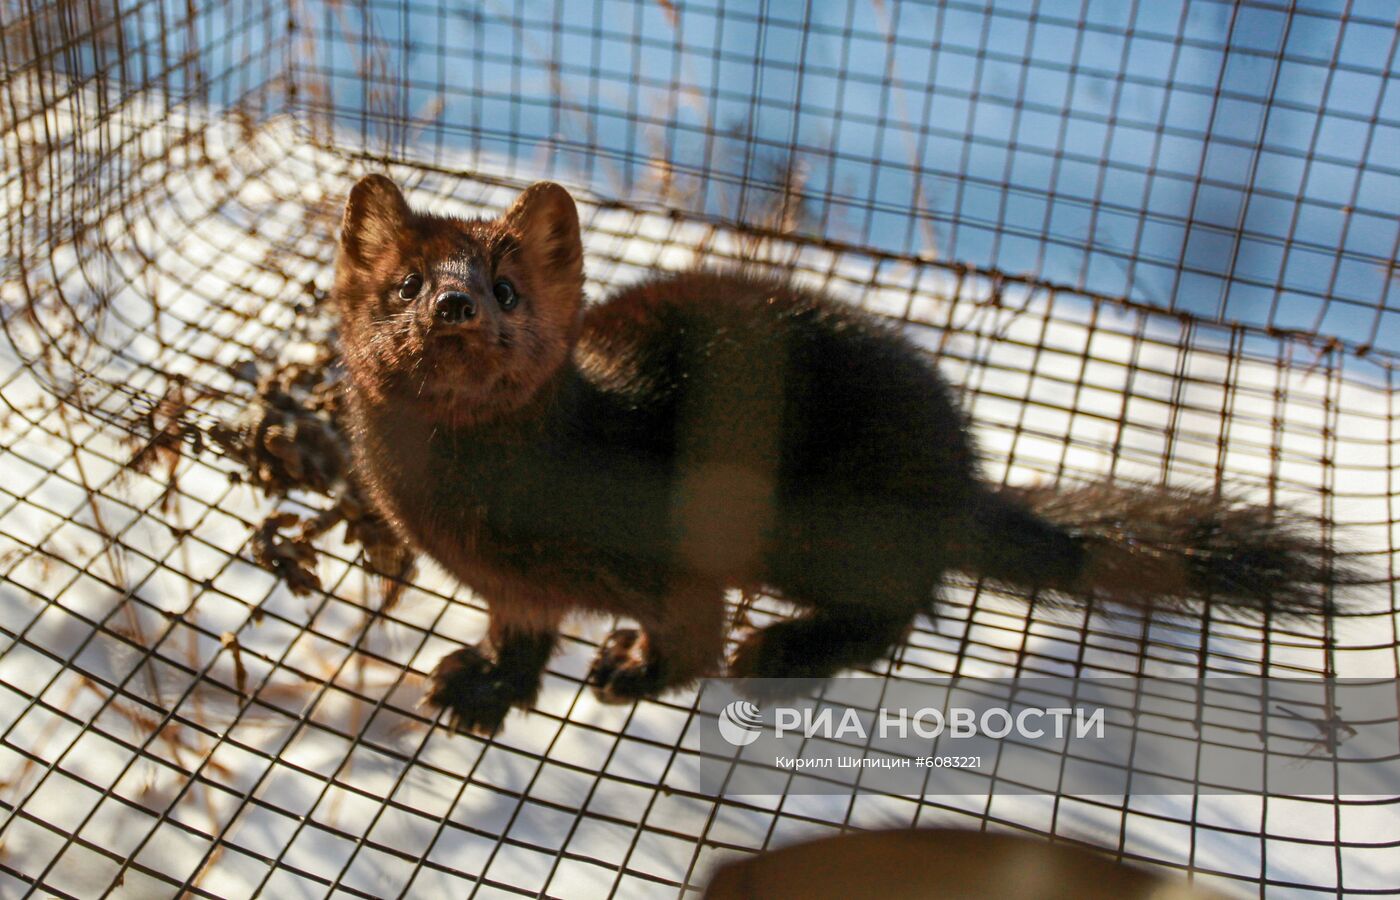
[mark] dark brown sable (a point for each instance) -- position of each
(704, 431)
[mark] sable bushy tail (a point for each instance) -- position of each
(1154, 548)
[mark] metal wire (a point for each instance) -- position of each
(1150, 240)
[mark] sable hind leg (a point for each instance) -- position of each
(860, 605)
(679, 642)
(823, 642)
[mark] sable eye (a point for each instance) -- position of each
(505, 294)
(411, 286)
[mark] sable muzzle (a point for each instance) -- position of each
(454, 308)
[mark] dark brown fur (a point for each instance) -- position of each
(700, 432)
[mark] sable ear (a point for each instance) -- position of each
(545, 218)
(375, 215)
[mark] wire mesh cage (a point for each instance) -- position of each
(1148, 240)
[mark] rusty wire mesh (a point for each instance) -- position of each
(1154, 240)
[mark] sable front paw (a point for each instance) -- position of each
(475, 694)
(623, 671)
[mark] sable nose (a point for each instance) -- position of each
(454, 308)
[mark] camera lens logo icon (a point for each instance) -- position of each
(740, 723)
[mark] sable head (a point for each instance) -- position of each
(470, 317)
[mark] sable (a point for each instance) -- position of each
(702, 431)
